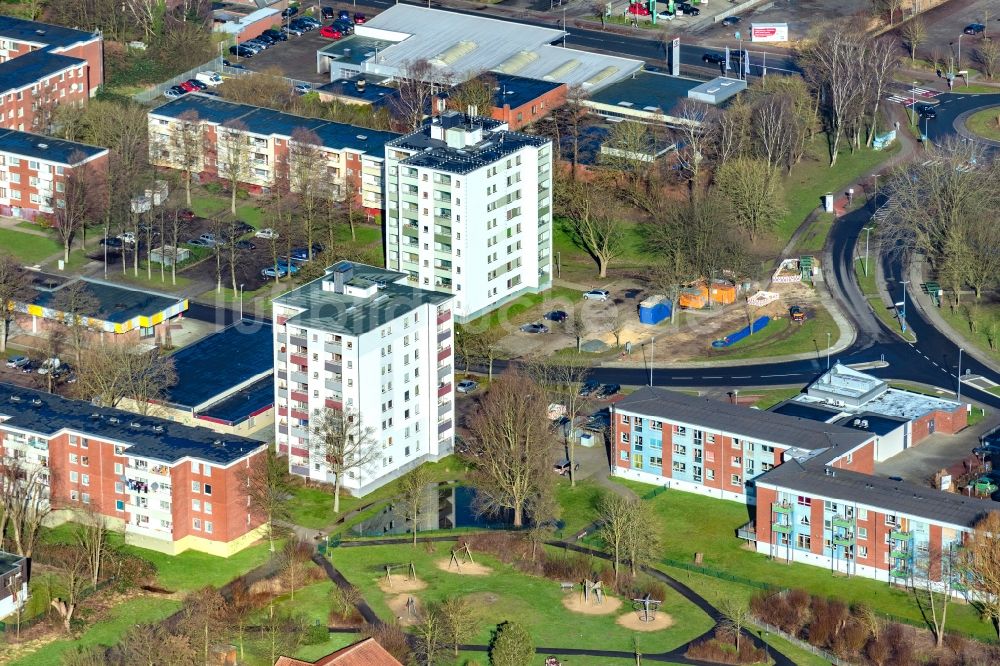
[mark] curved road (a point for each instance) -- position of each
(949, 109)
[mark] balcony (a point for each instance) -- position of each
(899, 535)
(900, 572)
(332, 347)
(443, 317)
(781, 507)
(334, 385)
(444, 407)
(444, 372)
(299, 360)
(781, 528)
(840, 521)
(844, 540)
(899, 554)
(299, 396)
(334, 367)
(444, 335)
(444, 390)
(747, 532)
(298, 414)
(333, 404)
(444, 353)
(300, 378)
(299, 470)
(298, 341)
(444, 426)
(283, 428)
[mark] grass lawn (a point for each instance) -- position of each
(995, 390)
(985, 123)
(813, 240)
(250, 214)
(312, 506)
(813, 177)
(972, 321)
(364, 234)
(108, 631)
(29, 248)
(507, 594)
(771, 397)
(313, 602)
(869, 288)
(576, 263)
(977, 89)
(688, 533)
(191, 570)
(166, 284)
(976, 416)
(527, 307)
(208, 205)
(783, 336)
(579, 505)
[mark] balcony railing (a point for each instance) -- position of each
(781, 507)
(444, 426)
(443, 317)
(444, 390)
(444, 353)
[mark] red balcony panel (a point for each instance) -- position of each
(299, 396)
(296, 414)
(298, 359)
(443, 317)
(282, 411)
(333, 404)
(444, 390)
(281, 320)
(444, 353)
(302, 453)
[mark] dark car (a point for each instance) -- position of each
(302, 254)
(266, 38)
(290, 11)
(344, 14)
(556, 315)
(276, 35)
(245, 245)
(589, 387)
(608, 390)
(28, 368)
(113, 243)
(731, 20)
(534, 328)
(233, 65)
(239, 229)
(197, 84)
(186, 215)
(344, 25)
(689, 9)
(926, 111)
(359, 18)
(713, 58)
(327, 12)
(241, 51)
(974, 29)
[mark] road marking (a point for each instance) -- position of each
(935, 363)
(707, 377)
(683, 377)
(741, 377)
(789, 374)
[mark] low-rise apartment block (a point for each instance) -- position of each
(350, 157)
(363, 341)
(469, 211)
(43, 66)
(170, 487)
(34, 168)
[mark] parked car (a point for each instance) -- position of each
(296, 29)
(289, 11)
(241, 51)
(731, 20)
(608, 390)
(288, 267)
(128, 238)
(534, 328)
(112, 243)
(237, 229)
(197, 242)
(327, 12)
(638, 9)
(174, 93)
(466, 386)
(271, 272)
(589, 387)
(561, 467)
(597, 421)
(245, 245)
(309, 20)
(689, 9)
(359, 18)
(186, 215)
(17, 361)
(302, 254)
(267, 233)
(344, 14)
(597, 295)
(50, 364)
(796, 313)
(302, 88)
(258, 44)
(330, 32)
(210, 79)
(232, 65)
(276, 35)
(713, 58)
(346, 26)
(208, 239)
(27, 368)
(926, 111)
(667, 16)
(556, 315)
(198, 85)
(974, 29)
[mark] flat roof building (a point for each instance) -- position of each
(644, 96)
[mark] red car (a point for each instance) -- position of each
(639, 9)
(186, 215)
(188, 86)
(330, 32)
(359, 18)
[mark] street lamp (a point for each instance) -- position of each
(652, 355)
(868, 231)
(241, 302)
(828, 338)
(913, 104)
(960, 350)
(903, 318)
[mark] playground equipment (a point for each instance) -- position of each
(411, 607)
(646, 608)
(411, 572)
(466, 554)
(593, 589)
(746, 331)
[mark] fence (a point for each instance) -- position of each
(239, 71)
(147, 96)
(803, 645)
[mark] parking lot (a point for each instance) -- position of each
(939, 451)
(946, 22)
(296, 58)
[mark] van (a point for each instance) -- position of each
(210, 79)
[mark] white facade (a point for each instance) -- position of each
(377, 348)
(469, 211)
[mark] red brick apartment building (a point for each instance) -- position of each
(171, 487)
(34, 168)
(520, 101)
(811, 485)
(43, 66)
(353, 157)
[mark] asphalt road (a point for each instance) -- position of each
(950, 107)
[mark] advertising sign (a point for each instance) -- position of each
(769, 32)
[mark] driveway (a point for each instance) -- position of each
(939, 451)
(296, 58)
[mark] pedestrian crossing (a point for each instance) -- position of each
(907, 98)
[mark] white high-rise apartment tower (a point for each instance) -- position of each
(361, 340)
(469, 211)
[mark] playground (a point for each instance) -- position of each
(557, 614)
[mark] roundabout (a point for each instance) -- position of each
(954, 112)
(984, 124)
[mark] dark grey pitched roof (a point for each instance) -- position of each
(913, 499)
(750, 423)
(158, 439)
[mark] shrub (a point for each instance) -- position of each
(315, 634)
(511, 645)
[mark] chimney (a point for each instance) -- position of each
(472, 111)
(360, 85)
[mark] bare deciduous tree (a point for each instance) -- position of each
(112, 371)
(477, 93)
(309, 181)
(596, 228)
(81, 201)
(510, 442)
(614, 512)
(76, 304)
(269, 489)
(694, 136)
(73, 579)
(343, 441)
(234, 157)
(91, 532)
(737, 616)
(981, 562)
(24, 498)
(987, 56)
(14, 287)
(753, 191)
(416, 91)
(186, 148)
(914, 33)
(413, 496)
(459, 620)
(563, 382)
(932, 580)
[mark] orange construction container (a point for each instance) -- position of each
(694, 297)
(723, 293)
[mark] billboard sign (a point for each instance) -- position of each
(769, 32)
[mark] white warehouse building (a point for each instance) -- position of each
(360, 339)
(469, 211)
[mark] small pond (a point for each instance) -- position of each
(444, 508)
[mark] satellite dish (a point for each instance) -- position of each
(155, 486)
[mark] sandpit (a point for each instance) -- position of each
(467, 568)
(397, 605)
(575, 603)
(631, 621)
(401, 584)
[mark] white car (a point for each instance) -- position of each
(210, 79)
(49, 365)
(267, 233)
(128, 238)
(597, 295)
(466, 386)
(302, 88)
